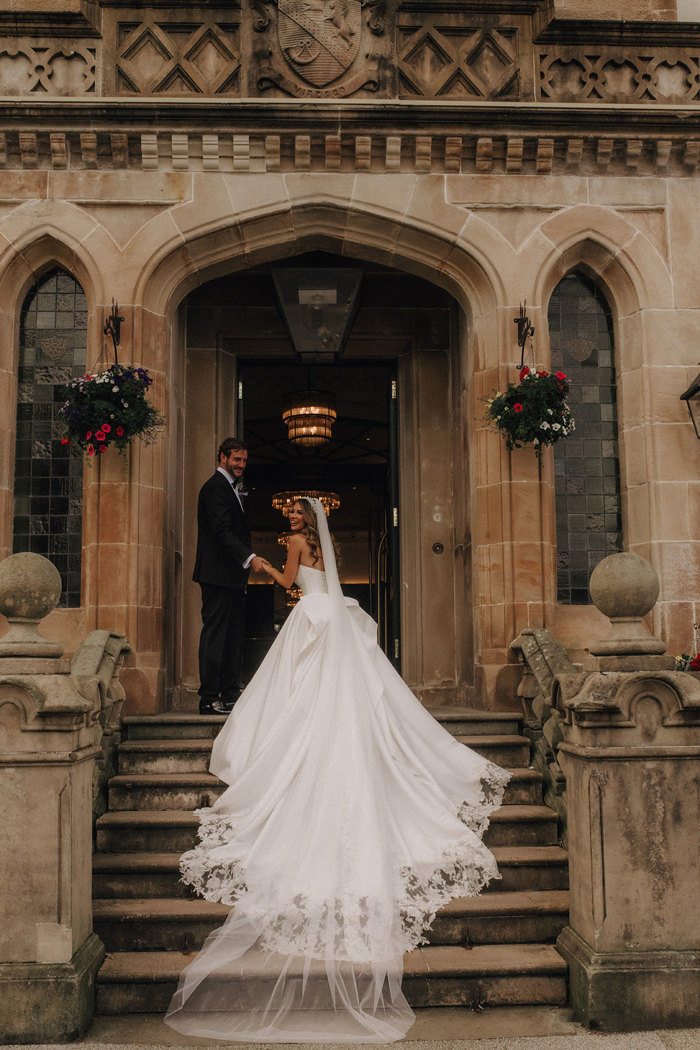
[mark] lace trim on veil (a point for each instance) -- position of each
(463, 869)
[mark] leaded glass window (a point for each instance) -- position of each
(48, 477)
(586, 464)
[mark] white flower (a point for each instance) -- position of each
(115, 389)
(549, 412)
(544, 426)
(556, 426)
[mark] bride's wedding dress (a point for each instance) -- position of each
(350, 819)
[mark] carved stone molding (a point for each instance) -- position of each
(447, 61)
(543, 154)
(619, 75)
(164, 54)
(64, 68)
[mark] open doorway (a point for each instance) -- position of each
(355, 469)
(395, 460)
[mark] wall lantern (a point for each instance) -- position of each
(318, 305)
(309, 415)
(690, 396)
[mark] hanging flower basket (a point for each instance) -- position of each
(108, 409)
(533, 411)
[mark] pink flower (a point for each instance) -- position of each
(100, 436)
(65, 441)
(517, 407)
(561, 375)
(88, 435)
(120, 431)
(105, 428)
(91, 450)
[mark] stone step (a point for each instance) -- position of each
(194, 790)
(511, 752)
(464, 721)
(149, 924)
(460, 721)
(170, 831)
(129, 875)
(487, 975)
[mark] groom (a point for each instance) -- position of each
(221, 568)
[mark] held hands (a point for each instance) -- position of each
(259, 564)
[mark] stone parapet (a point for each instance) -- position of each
(631, 756)
(52, 725)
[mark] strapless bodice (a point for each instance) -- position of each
(311, 581)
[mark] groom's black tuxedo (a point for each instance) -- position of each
(223, 539)
(223, 545)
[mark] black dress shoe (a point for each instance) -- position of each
(213, 707)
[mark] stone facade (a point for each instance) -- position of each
(487, 148)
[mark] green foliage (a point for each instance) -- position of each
(533, 411)
(109, 409)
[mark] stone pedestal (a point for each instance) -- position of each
(49, 954)
(631, 756)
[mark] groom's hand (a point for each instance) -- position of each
(258, 564)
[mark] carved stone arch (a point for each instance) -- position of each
(617, 256)
(444, 258)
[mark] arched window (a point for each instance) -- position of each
(586, 464)
(48, 478)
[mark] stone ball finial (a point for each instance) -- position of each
(625, 588)
(30, 587)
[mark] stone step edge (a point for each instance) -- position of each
(165, 909)
(185, 779)
(433, 962)
(516, 813)
(198, 744)
(447, 713)
(506, 856)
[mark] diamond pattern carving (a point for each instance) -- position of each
(170, 58)
(470, 62)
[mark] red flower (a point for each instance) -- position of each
(100, 436)
(524, 372)
(695, 664)
(88, 435)
(561, 375)
(105, 428)
(91, 450)
(542, 374)
(120, 431)
(517, 407)
(65, 441)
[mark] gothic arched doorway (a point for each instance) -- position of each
(240, 366)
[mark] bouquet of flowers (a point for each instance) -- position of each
(532, 411)
(109, 408)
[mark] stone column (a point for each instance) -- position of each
(49, 954)
(631, 755)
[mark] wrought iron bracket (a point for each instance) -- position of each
(113, 326)
(525, 330)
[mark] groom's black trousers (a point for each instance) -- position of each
(221, 642)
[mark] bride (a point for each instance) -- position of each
(350, 819)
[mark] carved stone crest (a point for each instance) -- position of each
(319, 41)
(319, 38)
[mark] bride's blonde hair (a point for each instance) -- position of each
(309, 530)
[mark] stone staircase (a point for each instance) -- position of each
(493, 950)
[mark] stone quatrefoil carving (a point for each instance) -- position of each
(59, 70)
(619, 76)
